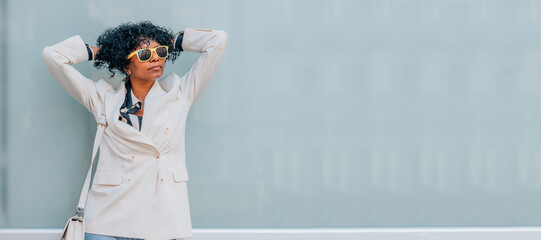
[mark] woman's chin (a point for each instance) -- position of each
(155, 76)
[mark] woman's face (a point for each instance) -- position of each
(149, 70)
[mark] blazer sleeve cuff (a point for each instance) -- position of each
(73, 48)
(194, 40)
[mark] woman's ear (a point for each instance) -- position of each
(127, 71)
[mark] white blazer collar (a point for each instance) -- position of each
(151, 106)
(115, 99)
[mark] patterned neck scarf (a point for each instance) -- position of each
(128, 107)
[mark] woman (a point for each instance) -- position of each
(139, 188)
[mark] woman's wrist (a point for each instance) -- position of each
(92, 52)
(95, 51)
(177, 43)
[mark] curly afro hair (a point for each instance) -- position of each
(117, 42)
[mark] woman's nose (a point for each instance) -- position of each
(154, 57)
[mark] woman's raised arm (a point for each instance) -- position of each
(211, 43)
(59, 59)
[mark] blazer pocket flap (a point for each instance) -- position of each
(108, 177)
(180, 174)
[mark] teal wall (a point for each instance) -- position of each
(346, 113)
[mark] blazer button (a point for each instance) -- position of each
(156, 155)
(132, 157)
(166, 131)
(162, 181)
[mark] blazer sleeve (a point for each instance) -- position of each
(59, 59)
(211, 43)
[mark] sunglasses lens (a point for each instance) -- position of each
(144, 54)
(161, 51)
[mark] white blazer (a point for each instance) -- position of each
(139, 188)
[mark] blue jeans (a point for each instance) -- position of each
(90, 236)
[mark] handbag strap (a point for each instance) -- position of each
(102, 124)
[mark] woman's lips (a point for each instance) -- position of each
(155, 68)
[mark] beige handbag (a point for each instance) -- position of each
(75, 228)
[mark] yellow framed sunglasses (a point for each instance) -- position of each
(145, 54)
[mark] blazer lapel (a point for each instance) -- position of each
(113, 102)
(152, 104)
